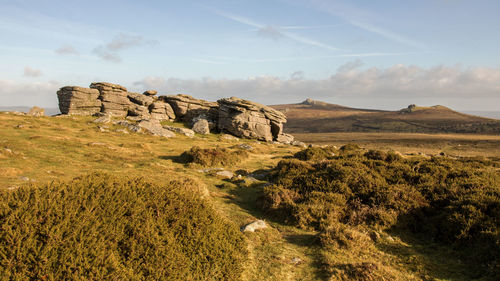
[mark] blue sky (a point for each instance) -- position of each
(375, 54)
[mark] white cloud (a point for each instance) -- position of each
(109, 51)
(13, 93)
(372, 87)
(66, 50)
(32, 72)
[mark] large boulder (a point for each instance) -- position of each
(201, 126)
(114, 98)
(75, 100)
(161, 110)
(187, 108)
(248, 119)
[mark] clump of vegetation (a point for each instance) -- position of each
(213, 156)
(316, 153)
(100, 227)
(456, 202)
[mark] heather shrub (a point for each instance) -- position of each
(100, 227)
(316, 153)
(213, 156)
(454, 201)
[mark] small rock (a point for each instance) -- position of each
(245, 146)
(256, 225)
(96, 144)
(251, 179)
(285, 138)
(201, 126)
(208, 170)
(123, 131)
(104, 119)
(155, 128)
(298, 143)
(185, 131)
(229, 137)
(296, 261)
(225, 174)
(150, 92)
(103, 129)
(24, 178)
(36, 111)
(128, 125)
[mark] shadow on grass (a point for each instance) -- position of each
(173, 158)
(250, 199)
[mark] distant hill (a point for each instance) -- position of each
(48, 111)
(313, 116)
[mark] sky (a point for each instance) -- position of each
(381, 54)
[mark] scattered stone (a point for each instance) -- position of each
(201, 127)
(155, 128)
(150, 92)
(123, 131)
(96, 144)
(225, 174)
(245, 146)
(184, 131)
(298, 143)
(229, 137)
(285, 138)
(104, 119)
(296, 261)
(24, 178)
(103, 129)
(36, 111)
(128, 125)
(256, 225)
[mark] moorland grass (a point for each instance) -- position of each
(100, 227)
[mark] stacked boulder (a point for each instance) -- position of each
(190, 110)
(114, 98)
(248, 119)
(75, 100)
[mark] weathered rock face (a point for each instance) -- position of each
(187, 108)
(78, 101)
(249, 119)
(114, 98)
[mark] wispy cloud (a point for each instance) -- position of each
(266, 29)
(361, 19)
(32, 72)
(66, 50)
(109, 51)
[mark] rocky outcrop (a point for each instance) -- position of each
(187, 108)
(114, 98)
(236, 116)
(75, 100)
(249, 119)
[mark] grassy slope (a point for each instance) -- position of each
(48, 148)
(335, 118)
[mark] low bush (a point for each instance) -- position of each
(100, 227)
(213, 156)
(453, 201)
